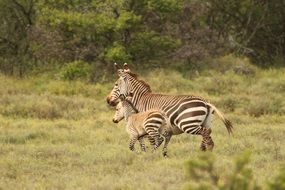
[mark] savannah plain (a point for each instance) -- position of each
(57, 134)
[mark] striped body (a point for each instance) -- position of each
(190, 114)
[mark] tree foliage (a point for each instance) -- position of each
(37, 32)
(254, 28)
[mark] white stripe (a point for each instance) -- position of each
(202, 117)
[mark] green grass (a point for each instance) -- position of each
(59, 134)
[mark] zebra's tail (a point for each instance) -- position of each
(227, 122)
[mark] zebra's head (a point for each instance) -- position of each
(113, 97)
(119, 114)
(122, 85)
(124, 108)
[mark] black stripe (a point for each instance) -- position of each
(151, 128)
(153, 121)
(190, 127)
(155, 115)
(190, 122)
(191, 114)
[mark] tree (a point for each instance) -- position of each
(254, 28)
(16, 16)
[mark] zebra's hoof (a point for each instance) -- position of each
(203, 148)
(165, 155)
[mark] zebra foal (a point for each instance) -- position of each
(150, 123)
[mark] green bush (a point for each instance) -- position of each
(75, 70)
(279, 182)
(204, 176)
(117, 53)
(240, 65)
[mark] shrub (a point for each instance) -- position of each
(259, 106)
(75, 70)
(231, 63)
(117, 53)
(204, 176)
(278, 182)
(46, 107)
(228, 103)
(31, 107)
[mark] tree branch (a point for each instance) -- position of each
(23, 10)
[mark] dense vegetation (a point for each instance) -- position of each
(46, 33)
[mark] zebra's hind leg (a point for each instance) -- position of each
(210, 144)
(159, 141)
(167, 136)
(142, 143)
(207, 142)
(151, 141)
(203, 146)
(155, 141)
(154, 136)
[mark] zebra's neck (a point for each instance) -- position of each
(139, 89)
(140, 101)
(129, 111)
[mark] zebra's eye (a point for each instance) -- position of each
(116, 84)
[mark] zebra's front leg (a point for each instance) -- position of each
(167, 136)
(132, 143)
(142, 143)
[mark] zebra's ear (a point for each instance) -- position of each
(119, 70)
(116, 66)
(126, 68)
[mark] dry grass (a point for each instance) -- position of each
(60, 135)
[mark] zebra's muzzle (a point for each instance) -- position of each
(110, 102)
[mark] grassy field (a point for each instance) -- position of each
(59, 135)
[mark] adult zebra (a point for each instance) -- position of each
(186, 113)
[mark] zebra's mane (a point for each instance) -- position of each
(135, 76)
